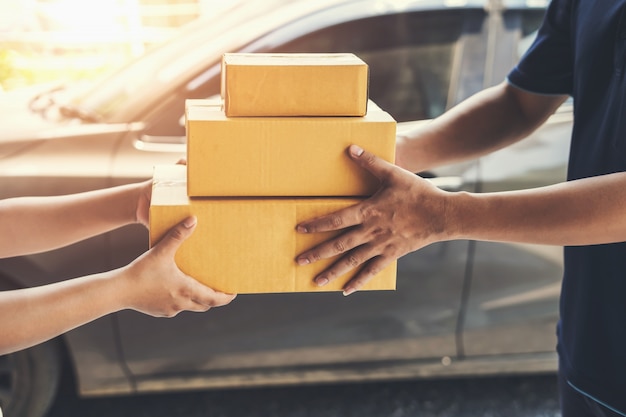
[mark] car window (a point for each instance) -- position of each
(507, 40)
(410, 55)
(530, 20)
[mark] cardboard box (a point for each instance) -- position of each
(245, 245)
(282, 156)
(296, 84)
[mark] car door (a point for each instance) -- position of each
(512, 301)
(415, 58)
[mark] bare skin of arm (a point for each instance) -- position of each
(35, 224)
(408, 213)
(152, 284)
(488, 121)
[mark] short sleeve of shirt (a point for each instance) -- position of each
(547, 66)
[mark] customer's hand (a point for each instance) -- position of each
(144, 196)
(405, 214)
(153, 284)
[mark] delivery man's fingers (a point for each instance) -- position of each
(351, 260)
(352, 215)
(377, 166)
(369, 271)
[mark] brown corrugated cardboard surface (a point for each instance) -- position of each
(294, 84)
(282, 156)
(247, 245)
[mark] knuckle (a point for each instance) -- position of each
(393, 249)
(369, 159)
(177, 234)
(352, 261)
(368, 211)
(365, 211)
(371, 270)
(336, 221)
(331, 274)
(377, 265)
(339, 246)
(315, 256)
(210, 302)
(378, 231)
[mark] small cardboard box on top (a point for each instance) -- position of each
(282, 156)
(247, 245)
(307, 84)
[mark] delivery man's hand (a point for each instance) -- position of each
(405, 214)
(153, 284)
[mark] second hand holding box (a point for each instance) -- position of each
(251, 179)
(247, 245)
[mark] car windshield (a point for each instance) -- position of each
(176, 60)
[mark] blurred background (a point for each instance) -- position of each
(59, 40)
(463, 310)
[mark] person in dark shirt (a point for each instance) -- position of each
(580, 51)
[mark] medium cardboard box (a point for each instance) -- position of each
(247, 245)
(296, 84)
(282, 156)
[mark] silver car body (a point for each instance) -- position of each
(461, 308)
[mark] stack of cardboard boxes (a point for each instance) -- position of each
(270, 154)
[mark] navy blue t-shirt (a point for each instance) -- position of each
(580, 50)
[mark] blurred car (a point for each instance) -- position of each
(460, 308)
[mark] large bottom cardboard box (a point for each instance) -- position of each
(247, 245)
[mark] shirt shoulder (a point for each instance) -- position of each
(547, 66)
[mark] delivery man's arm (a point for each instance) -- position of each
(408, 213)
(36, 224)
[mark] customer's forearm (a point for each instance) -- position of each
(34, 315)
(34, 224)
(152, 284)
